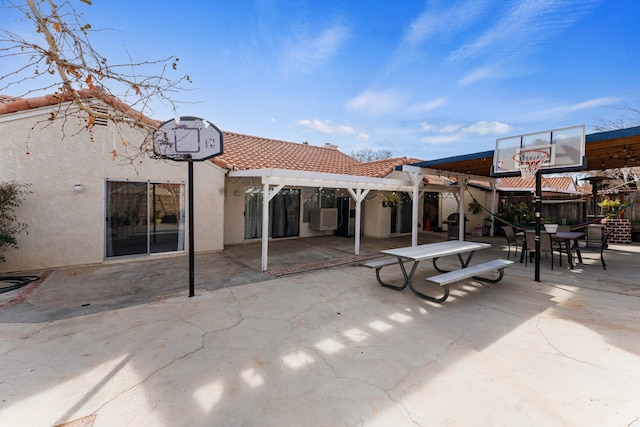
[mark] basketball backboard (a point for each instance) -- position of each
(187, 139)
(564, 150)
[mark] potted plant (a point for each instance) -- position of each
(550, 225)
(474, 207)
(390, 199)
(610, 205)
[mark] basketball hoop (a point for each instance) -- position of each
(529, 161)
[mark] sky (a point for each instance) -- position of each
(422, 79)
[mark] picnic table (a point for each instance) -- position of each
(464, 250)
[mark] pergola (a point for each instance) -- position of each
(410, 180)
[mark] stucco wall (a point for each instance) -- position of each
(66, 227)
(484, 198)
(234, 212)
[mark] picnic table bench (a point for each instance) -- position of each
(446, 279)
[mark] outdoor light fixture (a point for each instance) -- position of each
(78, 188)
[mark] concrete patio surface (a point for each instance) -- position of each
(326, 346)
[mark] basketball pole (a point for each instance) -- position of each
(538, 204)
(191, 242)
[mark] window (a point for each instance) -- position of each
(144, 218)
(317, 197)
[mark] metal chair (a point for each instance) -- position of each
(512, 239)
(546, 245)
(603, 245)
(559, 245)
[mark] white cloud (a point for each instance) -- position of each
(440, 139)
(376, 103)
(363, 136)
(431, 22)
(426, 126)
(305, 54)
(523, 27)
(450, 128)
(326, 127)
(477, 75)
(427, 106)
(594, 103)
(452, 133)
(585, 105)
(486, 128)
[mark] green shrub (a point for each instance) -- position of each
(11, 197)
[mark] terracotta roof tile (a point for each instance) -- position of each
(378, 168)
(242, 152)
(558, 183)
(9, 104)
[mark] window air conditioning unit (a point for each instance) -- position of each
(324, 219)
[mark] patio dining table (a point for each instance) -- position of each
(570, 240)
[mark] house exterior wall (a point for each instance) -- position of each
(234, 212)
(449, 205)
(235, 215)
(66, 227)
(484, 198)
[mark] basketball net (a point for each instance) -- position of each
(530, 161)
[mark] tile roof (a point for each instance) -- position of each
(242, 152)
(9, 104)
(557, 183)
(378, 168)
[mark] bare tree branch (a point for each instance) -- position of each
(61, 59)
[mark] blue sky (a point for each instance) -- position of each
(424, 79)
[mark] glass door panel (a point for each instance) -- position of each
(285, 214)
(127, 211)
(252, 213)
(166, 225)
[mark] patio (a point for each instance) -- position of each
(318, 342)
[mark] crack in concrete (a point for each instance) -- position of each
(204, 335)
(153, 373)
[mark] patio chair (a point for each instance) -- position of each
(590, 249)
(558, 244)
(512, 239)
(546, 246)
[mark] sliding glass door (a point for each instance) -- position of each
(144, 218)
(284, 213)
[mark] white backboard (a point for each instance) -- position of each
(190, 138)
(564, 147)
